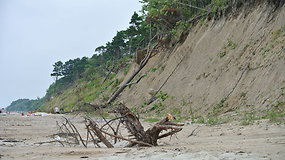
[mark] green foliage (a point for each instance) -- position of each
(25, 105)
(213, 120)
(228, 46)
(152, 120)
(277, 33)
(161, 95)
(135, 110)
(152, 69)
(275, 116)
(249, 118)
(220, 105)
(200, 119)
(203, 22)
(180, 26)
(180, 119)
(126, 69)
(276, 113)
(231, 44)
(116, 82)
(156, 106)
(183, 25)
(143, 105)
(126, 41)
(219, 5)
(171, 16)
(110, 58)
(222, 54)
(57, 71)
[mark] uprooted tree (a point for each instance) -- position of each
(101, 134)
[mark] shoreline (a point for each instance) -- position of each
(262, 140)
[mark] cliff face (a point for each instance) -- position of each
(227, 66)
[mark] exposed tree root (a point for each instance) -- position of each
(102, 134)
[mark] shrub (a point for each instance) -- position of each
(161, 95)
(222, 54)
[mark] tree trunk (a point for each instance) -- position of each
(126, 82)
(152, 134)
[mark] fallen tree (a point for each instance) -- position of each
(101, 134)
(151, 135)
(128, 80)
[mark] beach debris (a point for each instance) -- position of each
(84, 157)
(151, 135)
(192, 133)
(11, 140)
(109, 132)
(40, 114)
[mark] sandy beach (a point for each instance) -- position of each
(20, 139)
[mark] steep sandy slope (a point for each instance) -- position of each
(232, 65)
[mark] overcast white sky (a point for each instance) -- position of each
(34, 34)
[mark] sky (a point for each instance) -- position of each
(34, 34)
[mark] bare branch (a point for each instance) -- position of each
(93, 139)
(142, 64)
(126, 139)
(191, 6)
(76, 131)
(99, 134)
(192, 133)
(136, 82)
(112, 121)
(40, 143)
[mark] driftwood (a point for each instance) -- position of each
(151, 135)
(74, 129)
(126, 139)
(102, 134)
(98, 132)
(55, 141)
(192, 133)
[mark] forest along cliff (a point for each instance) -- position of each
(213, 62)
(232, 66)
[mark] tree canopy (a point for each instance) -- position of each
(24, 105)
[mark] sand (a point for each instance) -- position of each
(261, 141)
